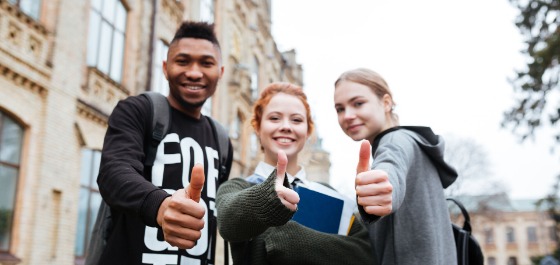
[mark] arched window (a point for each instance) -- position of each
(11, 138)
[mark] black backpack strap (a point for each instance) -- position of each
(222, 138)
(161, 120)
(467, 224)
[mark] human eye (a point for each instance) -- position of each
(339, 109)
(357, 104)
(297, 120)
(182, 61)
(208, 63)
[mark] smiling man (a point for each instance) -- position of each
(156, 218)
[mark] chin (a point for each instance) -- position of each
(355, 137)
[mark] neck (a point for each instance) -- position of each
(194, 112)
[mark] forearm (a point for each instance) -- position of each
(121, 181)
(246, 211)
(295, 244)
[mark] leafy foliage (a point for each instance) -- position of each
(539, 23)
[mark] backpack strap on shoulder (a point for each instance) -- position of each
(222, 139)
(467, 223)
(161, 120)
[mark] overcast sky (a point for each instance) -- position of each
(447, 63)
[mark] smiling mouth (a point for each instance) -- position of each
(193, 87)
(353, 127)
(284, 140)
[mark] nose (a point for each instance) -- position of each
(194, 73)
(285, 126)
(349, 114)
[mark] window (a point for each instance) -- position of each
(106, 37)
(235, 129)
(207, 107)
(489, 236)
(491, 261)
(532, 234)
(553, 233)
(512, 261)
(254, 145)
(207, 10)
(31, 8)
(159, 82)
(90, 199)
(11, 135)
(255, 79)
(510, 235)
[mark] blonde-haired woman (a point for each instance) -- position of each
(406, 159)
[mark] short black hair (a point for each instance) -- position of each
(197, 30)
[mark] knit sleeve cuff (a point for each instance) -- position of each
(150, 207)
(272, 208)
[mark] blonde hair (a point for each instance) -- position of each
(374, 81)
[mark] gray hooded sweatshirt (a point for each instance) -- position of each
(418, 231)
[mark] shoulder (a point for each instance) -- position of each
(398, 137)
(136, 103)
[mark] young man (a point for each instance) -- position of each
(156, 218)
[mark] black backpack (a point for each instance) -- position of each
(468, 249)
(161, 121)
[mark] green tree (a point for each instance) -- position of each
(539, 24)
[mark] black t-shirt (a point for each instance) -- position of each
(135, 192)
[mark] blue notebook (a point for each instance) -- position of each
(323, 209)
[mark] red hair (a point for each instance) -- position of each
(270, 91)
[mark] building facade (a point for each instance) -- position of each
(511, 232)
(64, 65)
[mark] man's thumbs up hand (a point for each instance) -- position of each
(182, 217)
(374, 191)
(289, 197)
(197, 183)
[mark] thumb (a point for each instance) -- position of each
(281, 167)
(365, 153)
(197, 183)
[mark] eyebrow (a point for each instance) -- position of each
(350, 100)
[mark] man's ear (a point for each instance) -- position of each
(164, 66)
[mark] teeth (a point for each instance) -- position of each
(284, 140)
(194, 87)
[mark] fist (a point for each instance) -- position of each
(373, 189)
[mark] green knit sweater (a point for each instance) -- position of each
(259, 228)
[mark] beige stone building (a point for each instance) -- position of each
(64, 64)
(510, 232)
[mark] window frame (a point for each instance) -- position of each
(15, 165)
(31, 8)
(91, 191)
(107, 31)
